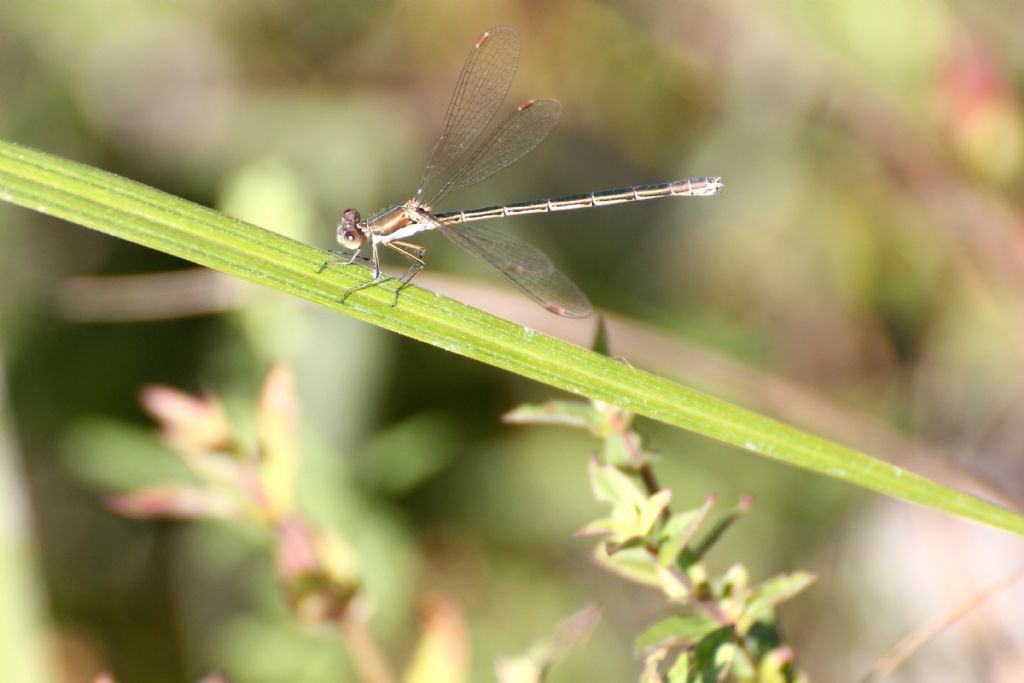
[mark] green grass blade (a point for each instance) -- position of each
(141, 214)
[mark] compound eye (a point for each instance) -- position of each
(351, 238)
(350, 217)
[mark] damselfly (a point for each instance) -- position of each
(482, 85)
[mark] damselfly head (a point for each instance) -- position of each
(351, 232)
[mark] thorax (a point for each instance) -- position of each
(400, 222)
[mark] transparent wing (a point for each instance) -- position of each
(524, 129)
(524, 265)
(482, 85)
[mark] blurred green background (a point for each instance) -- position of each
(861, 276)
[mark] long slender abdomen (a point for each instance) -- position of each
(692, 187)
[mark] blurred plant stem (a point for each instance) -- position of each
(914, 641)
(23, 657)
(366, 655)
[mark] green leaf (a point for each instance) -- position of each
(676, 630)
(680, 671)
(734, 583)
(116, 457)
(678, 531)
(633, 515)
(614, 451)
(713, 655)
(401, 457)
(632, 564)
(606, 526)
(650, 510)
(610, 485)
(765, 597)
(564, 413)
(777, 667)
(624, 450)
(141, 214)
(716, 532)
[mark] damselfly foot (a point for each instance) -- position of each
(344, 259)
